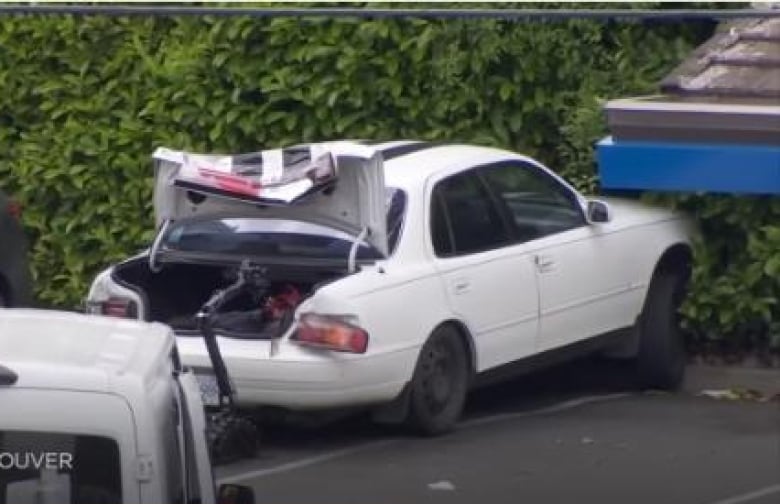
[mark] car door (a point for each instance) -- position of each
(489, 279)
(577, 270)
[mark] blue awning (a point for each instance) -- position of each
(689, 167)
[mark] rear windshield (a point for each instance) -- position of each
(40, 467)
(268, 237)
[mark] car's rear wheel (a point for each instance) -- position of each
(661, 359)
(440, 383)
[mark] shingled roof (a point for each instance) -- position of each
(739, 64)
(715, 128)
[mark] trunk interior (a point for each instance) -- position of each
(176, 293)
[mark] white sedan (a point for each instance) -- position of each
(395, 273)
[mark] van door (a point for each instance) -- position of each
(199, 473)
(85, 453)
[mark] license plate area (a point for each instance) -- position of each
(209, 390)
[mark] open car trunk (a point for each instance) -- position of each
(339, 185)
(279, 208)
(175, 294)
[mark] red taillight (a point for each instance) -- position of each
(14, 209)
(330, 333)
(119, 307)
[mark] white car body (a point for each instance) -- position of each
(510, 302)
(64, 376)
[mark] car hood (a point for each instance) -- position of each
(336, 184)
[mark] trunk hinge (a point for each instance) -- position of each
(144, 468)
(354, 249)
(153, 266)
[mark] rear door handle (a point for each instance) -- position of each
(461, 285)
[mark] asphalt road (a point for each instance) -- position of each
(574, 434)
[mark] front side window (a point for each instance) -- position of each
(538, 204)
(56, 467)
(473, 220)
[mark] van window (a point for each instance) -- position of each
(56, 467)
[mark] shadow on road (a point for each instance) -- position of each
(583, 378)
(567, 434)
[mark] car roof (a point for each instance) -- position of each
(409, 162)
(64, 350)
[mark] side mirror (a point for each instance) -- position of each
(235, 494)
(598, 212)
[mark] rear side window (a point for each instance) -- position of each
(441, 233)
(53, 467)
(472, 217)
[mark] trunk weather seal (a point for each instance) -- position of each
(177, 257)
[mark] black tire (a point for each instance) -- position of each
(440, 384)
(230, 437)
(661, 358)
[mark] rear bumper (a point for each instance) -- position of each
(252, 393)
(280, 373)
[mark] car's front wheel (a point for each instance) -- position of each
(440, 383)
(661, 359)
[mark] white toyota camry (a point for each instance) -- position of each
(392, 274)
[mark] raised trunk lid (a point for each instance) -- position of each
(337, 184)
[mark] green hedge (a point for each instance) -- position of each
(85, 101)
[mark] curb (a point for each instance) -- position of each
(700, 377)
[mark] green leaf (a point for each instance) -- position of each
(506, 90)
(772, 266)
